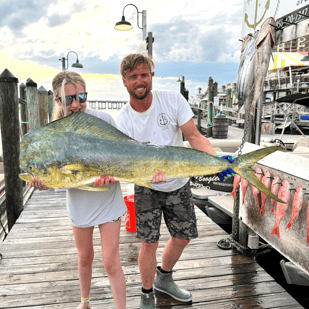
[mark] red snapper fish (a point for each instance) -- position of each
(275, 185)
(266, 180)
(235, 184)
(297, 205)
(244, 185)
(256, 191)
(284, 194)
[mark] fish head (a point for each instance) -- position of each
(26, 177)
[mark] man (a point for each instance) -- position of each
(159, 117)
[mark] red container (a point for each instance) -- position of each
(129, 217)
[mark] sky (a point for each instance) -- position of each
(195, 39)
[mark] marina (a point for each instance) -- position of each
(252, 209)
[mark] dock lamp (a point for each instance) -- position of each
(74, 65)
(124, 25)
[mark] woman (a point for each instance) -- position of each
(89, 208)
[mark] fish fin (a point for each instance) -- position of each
(274, 231)
(233, 194)
(92, 188)
(72, 167)
(242, 164)
(262, 210)
(251, 177)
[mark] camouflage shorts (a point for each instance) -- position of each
(177, 208)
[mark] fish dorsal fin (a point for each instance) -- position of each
(86, 125)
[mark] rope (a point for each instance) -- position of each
(5, 233)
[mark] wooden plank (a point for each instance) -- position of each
(39, 266)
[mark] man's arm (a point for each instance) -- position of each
(195, 138)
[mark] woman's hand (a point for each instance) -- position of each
(104, 180)
(37, 184)
(158, 177)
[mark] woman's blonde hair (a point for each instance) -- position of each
(58, 83)
(131, 61)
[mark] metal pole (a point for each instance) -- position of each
(144, 24)
(150, 44)
(63, 63)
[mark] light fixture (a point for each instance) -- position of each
(124, 25)
(74, 65)
(181, 80)
(305, 58)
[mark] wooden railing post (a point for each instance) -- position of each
(32, 104)
(23, 109)
(43, 105)
(9, 118)
(50, 105)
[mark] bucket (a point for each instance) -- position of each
(129, 217)
(220, 127)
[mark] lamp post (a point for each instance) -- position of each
(74, 65)
(124, 25)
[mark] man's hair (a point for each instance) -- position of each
(131, 61)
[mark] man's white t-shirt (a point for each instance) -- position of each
(160, 124)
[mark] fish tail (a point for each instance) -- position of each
(288, 226)
(242, 164)
(274, 231)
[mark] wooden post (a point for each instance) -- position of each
(9, 119)
(43, 105)
(50, 105)
(32, 104)
(229, 102)
(210, 89)
(23, 109)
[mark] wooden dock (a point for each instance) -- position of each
(38, 268)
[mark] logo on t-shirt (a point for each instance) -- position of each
(163, 120)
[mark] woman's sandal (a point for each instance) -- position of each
(84, 301)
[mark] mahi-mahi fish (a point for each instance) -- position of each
(71, 152)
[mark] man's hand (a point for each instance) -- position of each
(158, 177)
(225, 174)
(104, 181)
(37, 184)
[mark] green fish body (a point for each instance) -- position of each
(73, 151)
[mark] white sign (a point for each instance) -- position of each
(256, 11)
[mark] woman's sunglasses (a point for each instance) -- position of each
(69, 98)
